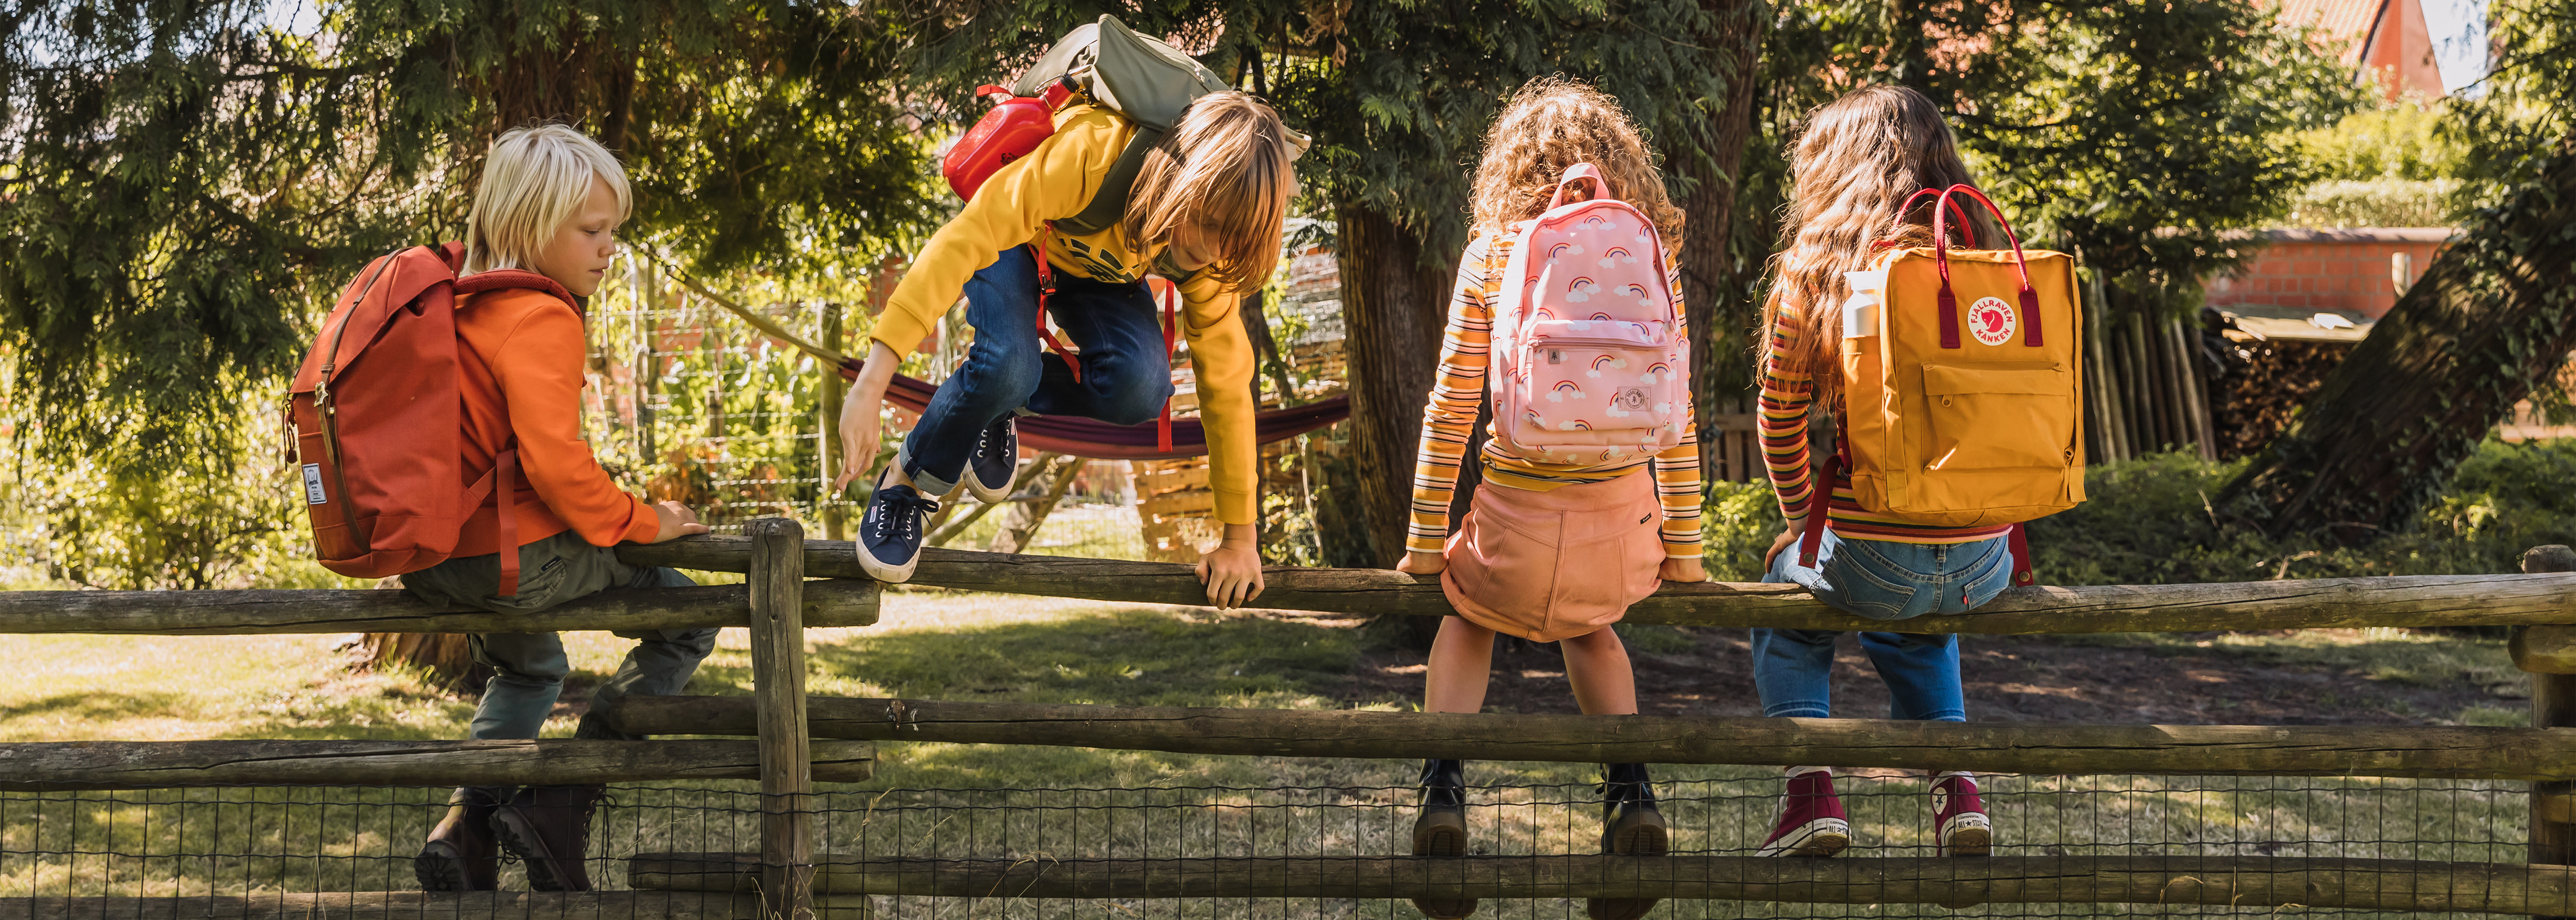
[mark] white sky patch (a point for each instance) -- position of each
(2459, 31)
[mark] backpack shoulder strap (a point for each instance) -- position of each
(1110, 206)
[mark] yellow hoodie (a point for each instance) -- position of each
(1056, 181)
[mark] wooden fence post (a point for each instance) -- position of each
(778, 687)
(2553, 705)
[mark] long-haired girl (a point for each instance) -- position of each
(1861, 157)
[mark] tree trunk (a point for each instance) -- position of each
(2488, 320)
(1721, 362)
(1394, 306)
(1265, 349)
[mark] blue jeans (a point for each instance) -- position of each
(1792, 668)
(1126, 373)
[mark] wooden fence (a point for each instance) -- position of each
(797, 741)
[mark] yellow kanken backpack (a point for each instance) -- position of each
(1965, 408)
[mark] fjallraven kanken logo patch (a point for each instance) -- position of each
(1991, 320)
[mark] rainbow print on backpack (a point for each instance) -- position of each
(1590, 363)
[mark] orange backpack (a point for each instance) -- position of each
(1962, 398)
(377, 420)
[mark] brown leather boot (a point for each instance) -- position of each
(548, 828)
(461, 854)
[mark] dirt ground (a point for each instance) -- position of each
(2008, 678)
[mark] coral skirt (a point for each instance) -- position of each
(1553, 565)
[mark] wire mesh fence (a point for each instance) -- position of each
(282, 840)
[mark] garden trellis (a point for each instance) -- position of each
(791, 848)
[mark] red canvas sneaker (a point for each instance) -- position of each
(1959, 825)
(1811, 819)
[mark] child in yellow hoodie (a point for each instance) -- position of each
(1205, 211)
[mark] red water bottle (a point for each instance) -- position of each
(1015, 126)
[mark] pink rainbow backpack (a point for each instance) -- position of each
(1590, 360)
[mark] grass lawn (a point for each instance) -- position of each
(1033, 802)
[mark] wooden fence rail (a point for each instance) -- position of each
(408, 905)
(779, 603)
(232, 613)
(2405, 601)
(1985, 747)
(164, 764)
(2248, 881)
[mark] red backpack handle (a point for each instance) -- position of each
(1941, 256)
(1967, 234)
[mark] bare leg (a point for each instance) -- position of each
(1461, 659)
(1596, 663)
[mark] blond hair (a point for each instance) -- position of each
(1859, 159)
(1225, 167)
(1550, 125)
(534, 179)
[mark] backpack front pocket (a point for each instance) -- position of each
(1999, 416)
(1608, 395)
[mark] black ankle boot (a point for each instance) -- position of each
(1630, 826)
(1441, 830)
(461, 854)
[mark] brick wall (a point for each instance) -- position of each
(2342, 270)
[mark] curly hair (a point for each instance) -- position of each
(1553, 123)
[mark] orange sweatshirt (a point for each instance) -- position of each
(533, 345)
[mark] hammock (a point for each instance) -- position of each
(1061, 434)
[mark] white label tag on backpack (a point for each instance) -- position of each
(313, 484)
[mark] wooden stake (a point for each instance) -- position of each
(827, 457)
(2553, 705)
(2195, 392)
(778, 689)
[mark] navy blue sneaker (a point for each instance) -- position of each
(891, 534)
(996, 462)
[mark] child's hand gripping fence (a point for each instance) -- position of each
(2093, 820)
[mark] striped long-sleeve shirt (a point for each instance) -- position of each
(1787, 397)
(1446, 420)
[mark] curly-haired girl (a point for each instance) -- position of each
(1550, 551)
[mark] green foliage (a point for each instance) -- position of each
(184, 186)
(2161, 519)
(2400, 141)
(1400, 123)
(108, 520)
(1738, 524)
(189, 181)
(1398, 95)
(2134, 134)
(2486, 327)
(2389, 166)
(2376, 203)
